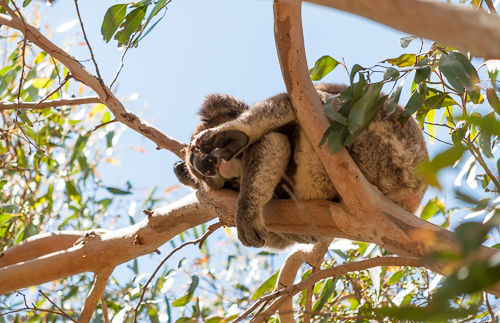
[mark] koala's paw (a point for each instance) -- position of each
(251, 233)
(230, 142)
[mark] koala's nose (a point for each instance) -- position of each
(205, 164)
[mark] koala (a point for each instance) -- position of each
(262, 152)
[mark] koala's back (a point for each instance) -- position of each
(387, 153)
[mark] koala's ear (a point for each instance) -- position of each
(219, 108)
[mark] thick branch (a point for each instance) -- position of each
(98, 250)
(106, 97)
(465, 28)
(48, 104)
(39, 245)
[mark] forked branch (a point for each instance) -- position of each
(79, 72)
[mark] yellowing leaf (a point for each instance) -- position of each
(80, 90)
(139, 149)
(13, 37)
(42, 83)
(98, 108)
(172, 188)
(112, 160)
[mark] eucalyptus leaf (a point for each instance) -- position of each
(182, 301)
(112, 20)
(322, 67)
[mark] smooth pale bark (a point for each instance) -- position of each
(461, 27)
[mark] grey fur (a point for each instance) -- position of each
(276, 157)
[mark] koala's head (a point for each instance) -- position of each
(210, 168)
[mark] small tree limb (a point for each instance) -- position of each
(314, 256)
(280, 295)
(105, 95)
(48, 104)
(96, 293)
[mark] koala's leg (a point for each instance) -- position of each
(235, 135)
(263, 165)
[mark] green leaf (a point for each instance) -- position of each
(474, 278)
(423, 72)
(393, 101)
(72, 192)
(484, 140)
(117, 191)
(471, 235)
(322, 67)
(405, 41)
(326, 292)
(458, 135)
(444, 159)
(493, 100)
(267, 286)
(365, 109)
(395, 277)
(487, 123)
(415, 103)
(132, 24)
(112, 20)
(496, 246)
(391, 74)
(437, 99)
(404, 60)
(26, 2)
(355, 69)
(460, 74)
(432, 208)
(189, 293)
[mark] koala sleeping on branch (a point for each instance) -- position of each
(262, 152)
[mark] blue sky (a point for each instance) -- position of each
(203, 47)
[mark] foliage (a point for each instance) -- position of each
(49, 179)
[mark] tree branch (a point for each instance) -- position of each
(365, 213)
(468, 29)
(97, 250)
(106, 97)
(96, 293)
(48, 104)
(280, 295)
(314, 256)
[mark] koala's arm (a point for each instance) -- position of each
(235, 135)
(263, 165)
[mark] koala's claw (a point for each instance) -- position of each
(251, 234)
(229, 141)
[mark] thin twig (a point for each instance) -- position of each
(488, 305)
(121, 65)
(55, 305)
(479, 158)
(104, 308)
(444, 142)
(66, 79)
(490, 5)
(48, 104)
(104, 124)
(88, 43)
(199, 241)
